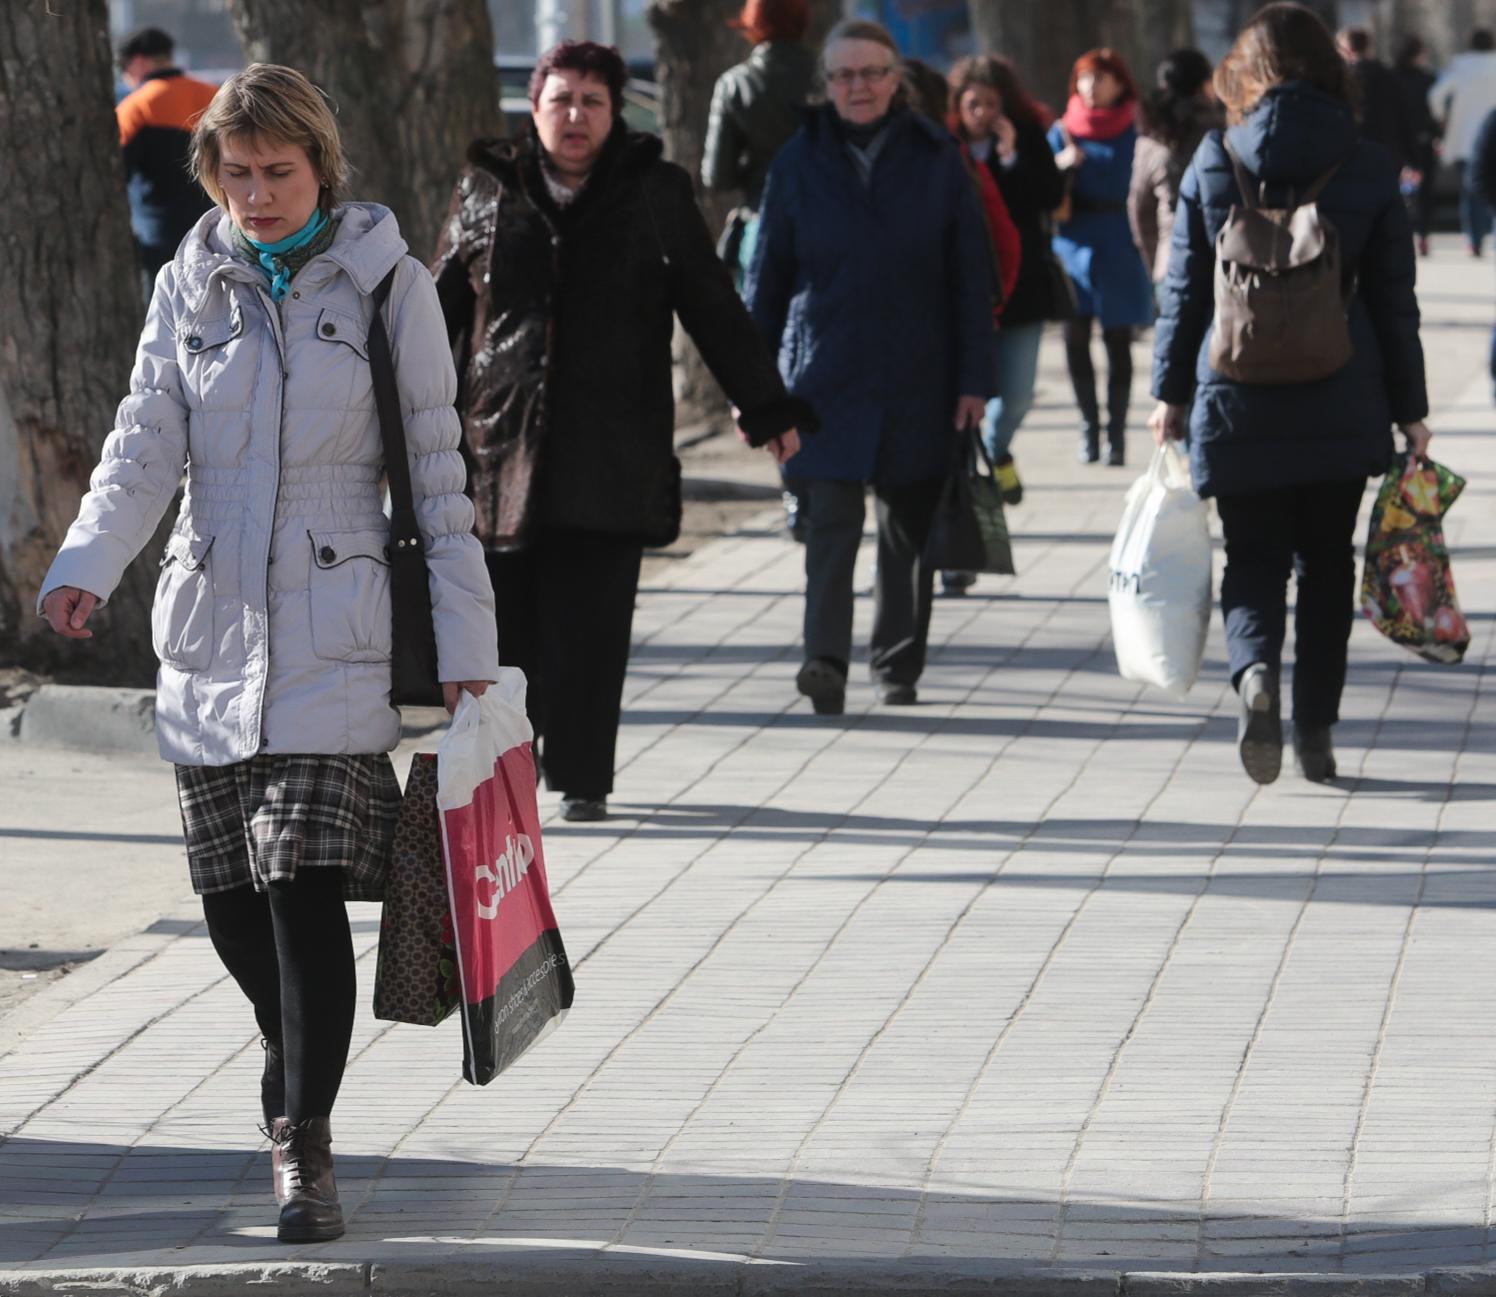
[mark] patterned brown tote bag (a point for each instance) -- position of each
(416, 976)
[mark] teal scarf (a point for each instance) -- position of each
(279, 261)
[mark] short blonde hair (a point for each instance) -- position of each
(268, 101)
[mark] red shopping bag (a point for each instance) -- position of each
(515, 979)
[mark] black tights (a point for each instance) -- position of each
(1118, 343)
(291, 952)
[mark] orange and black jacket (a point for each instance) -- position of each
(155, 125)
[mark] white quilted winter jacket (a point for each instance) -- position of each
(272, 614)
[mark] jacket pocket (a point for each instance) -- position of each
(350, 594)
(182, 613)
(339, 326)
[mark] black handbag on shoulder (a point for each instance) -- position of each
(413, 671)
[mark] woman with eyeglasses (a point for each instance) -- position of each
(872, 280)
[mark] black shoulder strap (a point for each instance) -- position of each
(403, 529)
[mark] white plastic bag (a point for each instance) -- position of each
(1160, 593)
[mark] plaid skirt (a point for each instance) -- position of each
(259, 821)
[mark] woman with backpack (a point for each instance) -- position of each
(1290, 396)
(1093, 144)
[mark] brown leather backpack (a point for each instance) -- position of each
(1280, 296)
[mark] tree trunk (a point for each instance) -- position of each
(413, 82)
(69, 316)
(1044, 37)
(693, 47)
(824, 15)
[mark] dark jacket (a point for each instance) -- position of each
(1420, 127)
(1254, 437)
(876, 296)
(1032, 188)
(1382, 107)
(155, 127)
(1482, 174)
(755, 109)
(561, 324)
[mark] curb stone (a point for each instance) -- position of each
(559, 1273)
(105, 718)
(91, 717)
(321, 1279)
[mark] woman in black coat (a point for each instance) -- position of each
(1288, 462)
(565, 255)
(1003, 130)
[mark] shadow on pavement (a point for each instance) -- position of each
(100, 1204)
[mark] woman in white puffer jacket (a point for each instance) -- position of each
(272, 618)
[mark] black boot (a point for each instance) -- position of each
(310, 1210)
(1316, 754)
(1089, 450)
(1116, 421)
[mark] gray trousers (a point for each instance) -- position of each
(905, 583)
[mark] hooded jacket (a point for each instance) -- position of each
(1249, 437)
(272, 616)
(561, 322)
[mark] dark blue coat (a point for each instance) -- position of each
(875, 297)
(1248, 437)
(1095, 245)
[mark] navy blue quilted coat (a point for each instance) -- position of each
(876, 298)
(1248, 437)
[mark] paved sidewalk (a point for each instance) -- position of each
(1027, 989)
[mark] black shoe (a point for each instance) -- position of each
(1315, 752)
(1089, 450)
(825, 684)
(1259, 734)
(957, 583)
(584, 810)
(272, 1083)
(305, 1185)
(1116, 456)
(897, 695)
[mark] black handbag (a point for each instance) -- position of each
(969, 532)
(413, 672)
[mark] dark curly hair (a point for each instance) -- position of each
(1168, 111)
(588, 58)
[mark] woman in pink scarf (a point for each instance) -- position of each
(1093, 145)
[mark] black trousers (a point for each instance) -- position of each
(291, 952)
(566, 612)
(1118, 343)
(1310, 531)
(902, 593)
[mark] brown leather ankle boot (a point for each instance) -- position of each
(310, 1210)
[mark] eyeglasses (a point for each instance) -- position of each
(847, 76)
